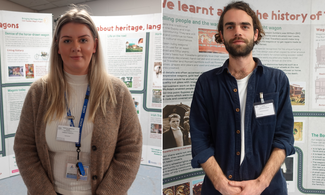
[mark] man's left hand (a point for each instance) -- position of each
(249, 187)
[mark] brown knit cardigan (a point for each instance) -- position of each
(115, 146)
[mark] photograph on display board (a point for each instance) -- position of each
(183, 189)
(16, 71)
(157, 74)
(298, 131)
(197, 186)
(156, 96)
(155, 128)
(127, 81)
(29, 69)
(134, 45)
(207, 43)
(176, 126)
(287, 168)
(169, 191)
(297, 93)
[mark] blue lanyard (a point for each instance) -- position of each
(82, 117)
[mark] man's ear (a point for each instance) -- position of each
(255, 35)
(221, 36)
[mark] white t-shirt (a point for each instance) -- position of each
(242, 92)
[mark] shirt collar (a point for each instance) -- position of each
(224, 67)
(175, 129)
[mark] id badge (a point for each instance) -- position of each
(67, 133)
(264, 109)
(72, 170)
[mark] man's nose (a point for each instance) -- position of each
(238, 31)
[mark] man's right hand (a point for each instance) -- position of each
(219, 180)
(222, 185)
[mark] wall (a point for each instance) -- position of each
(7, 5)
(116, 8)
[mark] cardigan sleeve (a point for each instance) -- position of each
(25, 146)
(127, 155)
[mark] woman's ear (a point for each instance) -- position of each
(95, 46)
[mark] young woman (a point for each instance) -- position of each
(79, 132)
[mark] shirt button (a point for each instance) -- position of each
(230, 176)
(235, 90)
(237, 109)
(238, 132)
(238, 153)
(94, 148)
(94, 177)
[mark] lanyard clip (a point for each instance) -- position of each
(78, 151)
(261, 96)
(70, 117)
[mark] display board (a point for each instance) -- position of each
(132, 48)
(294, 42)
(133, 53)
(25, 40)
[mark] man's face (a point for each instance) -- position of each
(238, 33)
(174, 122)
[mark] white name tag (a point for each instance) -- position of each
(67, 133)
(262, 110)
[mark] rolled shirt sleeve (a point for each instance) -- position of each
(283, 137)
(202, 147)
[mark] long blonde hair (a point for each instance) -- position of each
(99, 81)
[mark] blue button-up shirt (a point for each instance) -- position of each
(216, 124)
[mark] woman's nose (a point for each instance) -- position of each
(76, 47)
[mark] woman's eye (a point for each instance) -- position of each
(83, 40)
(66, 41)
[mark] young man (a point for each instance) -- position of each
(241, 117)
(174, 137)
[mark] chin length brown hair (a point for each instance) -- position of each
(101, 89)
(245, 7)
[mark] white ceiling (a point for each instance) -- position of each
(39, 5)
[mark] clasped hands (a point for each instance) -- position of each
(249, 187)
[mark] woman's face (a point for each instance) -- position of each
(76, 47)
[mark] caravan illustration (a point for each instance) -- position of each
(297, 94)
(320, 57)
(320, 88)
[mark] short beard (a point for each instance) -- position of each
(239, 50)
